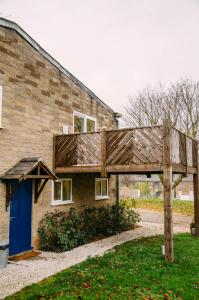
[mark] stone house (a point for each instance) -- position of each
(39, 98)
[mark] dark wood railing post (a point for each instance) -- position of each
(196, 194)
(103, 152)
(167, 184)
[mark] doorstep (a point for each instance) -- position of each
(24, 255)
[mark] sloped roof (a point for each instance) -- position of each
(12, 25)
(26, 167)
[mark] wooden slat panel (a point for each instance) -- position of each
(88, 149)
(135, 146)
(182, 149)
(189, 152)
(65, 150)
(175, 145)
(195, 153)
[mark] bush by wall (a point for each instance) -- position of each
(61, 231)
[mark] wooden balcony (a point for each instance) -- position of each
(127, 150)
(146, 150)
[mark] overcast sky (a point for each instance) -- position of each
(115, 47)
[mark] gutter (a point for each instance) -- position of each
(14, 26)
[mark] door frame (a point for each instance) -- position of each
(31, 214)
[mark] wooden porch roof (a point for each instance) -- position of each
(32, 167)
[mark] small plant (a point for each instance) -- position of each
(61, 231)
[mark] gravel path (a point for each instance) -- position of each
(18, 275)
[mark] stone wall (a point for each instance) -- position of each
(37, 101)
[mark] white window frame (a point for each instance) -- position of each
(61, 201)
(101, 197)
(85, 117)
(1, 104)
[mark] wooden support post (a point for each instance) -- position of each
(8, 194)
(167, 183)
(103, 152)
(39, 188)
(196, 195)
(186, 156)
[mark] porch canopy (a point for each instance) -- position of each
(28, 168)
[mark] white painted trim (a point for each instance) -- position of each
(1, 104)
(101, 197)
(62, 202)
(85, 117)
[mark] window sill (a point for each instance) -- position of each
(102, 198)
(62, 203)
(1, 127)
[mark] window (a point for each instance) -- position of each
(84, 123)
(101, 188)
(1, 103)
(62, 192)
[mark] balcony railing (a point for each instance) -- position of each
(127, 150)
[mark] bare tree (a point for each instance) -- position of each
(179, 102)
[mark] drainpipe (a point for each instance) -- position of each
(117, 116)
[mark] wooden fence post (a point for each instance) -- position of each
(196, 195)
(167, 184)
(103, 152)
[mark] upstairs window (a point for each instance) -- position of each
(84, 123)
(101, 188)
(1, 104)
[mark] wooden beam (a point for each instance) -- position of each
(10, 190)
(167, 184)
(180, 169)
(78, 169)
(135, 168)
(36, 177)
(186, 157)
(103, 152)
(196, 197)
(38, 189)
(8, 194)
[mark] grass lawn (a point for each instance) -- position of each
(134, 270)
(179, 206)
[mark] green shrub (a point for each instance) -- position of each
(61, 231)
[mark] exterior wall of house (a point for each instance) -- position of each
(37, 101)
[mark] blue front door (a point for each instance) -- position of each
(20, 217)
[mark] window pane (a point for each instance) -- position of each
(66, 190)
(98, 187)
(90, 125)
(57, 190)
(104, 187)
(78, 124)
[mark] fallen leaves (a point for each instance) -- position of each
(87, 285)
